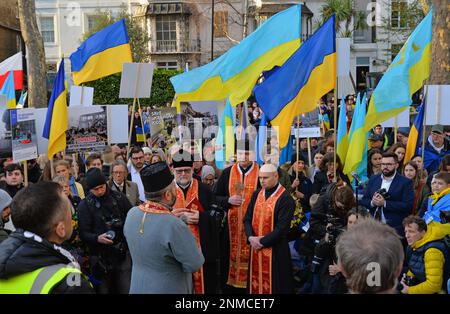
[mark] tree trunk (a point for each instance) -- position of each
(37, 91)
(440, 46)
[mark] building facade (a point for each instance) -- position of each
(10, 36)
(63, 22)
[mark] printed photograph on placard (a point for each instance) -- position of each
(162, 123)
(5, 134)
(87, 129)
(23, 134)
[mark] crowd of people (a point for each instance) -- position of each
(152, 220)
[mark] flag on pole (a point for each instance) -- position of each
(102, 54)
(295, 87)
(342, 135)
(12, 64)
(234, 74)
(415, 134)
(357, 138)
(9, 91)
(405, 75)
(261, 140)
(225, 137)
(56, 121)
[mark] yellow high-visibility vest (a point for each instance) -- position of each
(40, 281)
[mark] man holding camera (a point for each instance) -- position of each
(389, 196)
(101, 216)
(193, 204)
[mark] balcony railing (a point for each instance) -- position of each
(175, 46)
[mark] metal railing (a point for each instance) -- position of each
(175, 46)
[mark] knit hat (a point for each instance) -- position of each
(5, 200)
(146, 150)
(156, 177)
(208, 170)
(300, 158)
(94, 177)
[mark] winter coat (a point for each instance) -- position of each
(20, 255)
(426, 260)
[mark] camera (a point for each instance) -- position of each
(335, 229)
(111, 234)
(384, 193)
(114, 224)
(219, 214)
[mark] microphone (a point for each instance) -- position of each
(355, 176)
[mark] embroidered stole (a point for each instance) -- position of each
(261, 260)
(182, 202)
(239, 249)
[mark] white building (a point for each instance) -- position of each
(63, 23)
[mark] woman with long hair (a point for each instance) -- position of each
(421, 190)
(301, 184)
(326, 174)
(374, 162)
(315, 167)
(400, 150)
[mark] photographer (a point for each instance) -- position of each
(101, 216)
(328, 220)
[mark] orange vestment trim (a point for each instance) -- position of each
(239, 249)
(261, 260)
(182, 202)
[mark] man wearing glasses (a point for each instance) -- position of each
(389, 196)
(193, 204)
(137, 163)
(118, 182)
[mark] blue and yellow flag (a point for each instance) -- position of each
(102, 54)
(415, 135)
(342, 136)
(234, 74)
(225, 137)
(9, 91)
(296, 87)
(405, 75)
(357, 140)
(56, 121)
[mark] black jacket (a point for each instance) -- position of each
(11, 190)
(321, 181)
(19, 255)
(94, 214)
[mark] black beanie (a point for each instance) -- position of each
(94, 177)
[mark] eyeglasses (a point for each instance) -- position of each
(388, 165)
(180, 171)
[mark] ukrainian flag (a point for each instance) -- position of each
(404, 76)
(234, 74)
(414, 138)
(8, 90)
(102, 54)
(56, 122)
(342, 136)
(306, 76)
(358, 137)
(225, 137)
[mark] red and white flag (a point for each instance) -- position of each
(13, 63)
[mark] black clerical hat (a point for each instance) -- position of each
(156, 177)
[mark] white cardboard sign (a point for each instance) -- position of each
(443, 91)
(402, 120)
(136, 81)
(76, 92)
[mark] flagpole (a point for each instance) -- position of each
(424, 126)
(25, 172)
(297, 135)
(133, 109)
(395, 129)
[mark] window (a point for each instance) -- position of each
(395, 49)
(166, 27)
(168, 65)
(47, 29)
(398, 14)
(220, 23)
(92, 21)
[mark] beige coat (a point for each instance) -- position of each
(131, 191)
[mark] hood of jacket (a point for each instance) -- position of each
(435, 231)
(21, 253)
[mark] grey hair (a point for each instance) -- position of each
(116, 163)
(158, 195)
(368, 243)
